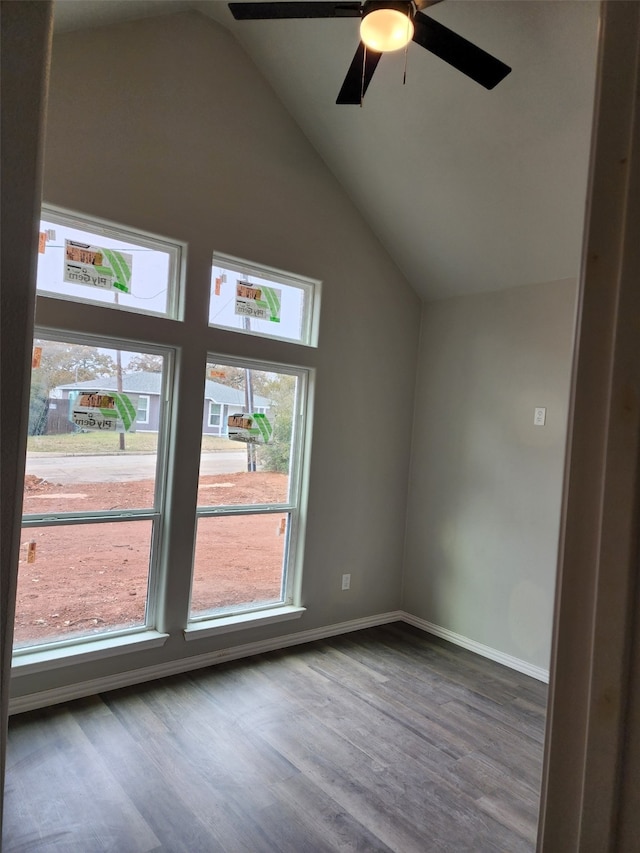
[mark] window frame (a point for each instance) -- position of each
(184, 339)
(147, 399)
(291, 507)
(213, 403)
(311, 288)
(175, 249)
(156, 514)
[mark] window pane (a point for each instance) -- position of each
(246, 466)
(273, 304)
(238, 562)
(93, 263)
(142, 414)
(78, 580)
(83, 450)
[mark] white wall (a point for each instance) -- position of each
(165, 125)
(485, 488)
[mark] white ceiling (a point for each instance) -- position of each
(468, 189)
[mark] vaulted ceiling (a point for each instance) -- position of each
(469, 190)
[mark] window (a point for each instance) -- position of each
(215, 416)
(93, 492)
(84, 260)
(261, 301)
(110, 527)
(248, 492)
(143, 409)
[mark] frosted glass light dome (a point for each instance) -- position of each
(384, 30)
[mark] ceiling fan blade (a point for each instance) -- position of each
(276, 11)
(457, 51)
(354, 87)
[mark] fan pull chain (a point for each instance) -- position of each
(406, 52)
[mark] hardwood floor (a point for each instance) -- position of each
(380, 740)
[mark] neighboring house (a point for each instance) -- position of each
(220, 400)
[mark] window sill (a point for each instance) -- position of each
(28, 662)
(226, 624)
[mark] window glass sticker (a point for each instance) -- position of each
(108, 411)
(97, 266)
(251, 428)
(262, 303)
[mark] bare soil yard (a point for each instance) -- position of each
(88, 578)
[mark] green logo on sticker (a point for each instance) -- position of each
(124, 408)
(118, 267)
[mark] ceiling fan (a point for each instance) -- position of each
(385, 26)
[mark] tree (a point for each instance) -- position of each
(281, 390)
(145, 363)
(236, 377)
(62, 363)
(38, 405)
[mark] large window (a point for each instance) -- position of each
(129, 421)
(93, 491)
(248, 494)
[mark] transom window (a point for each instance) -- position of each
(84, 260)
(261, 301)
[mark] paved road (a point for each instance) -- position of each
(112, 469)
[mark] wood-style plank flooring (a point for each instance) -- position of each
(381, 740)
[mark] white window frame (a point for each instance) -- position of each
(311, 289)
(100, 227)
(105, 516)
(205, 623)
(168, 596)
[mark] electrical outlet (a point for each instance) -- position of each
(346, 582)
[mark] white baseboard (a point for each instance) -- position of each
(55, 696)
(536, 672)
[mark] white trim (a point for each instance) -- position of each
(590, 772)
(537, 672)
(27, 662)
(199, 629)
(45, 698)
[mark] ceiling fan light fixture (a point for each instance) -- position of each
(387, 29)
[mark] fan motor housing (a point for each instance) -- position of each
(407, 8)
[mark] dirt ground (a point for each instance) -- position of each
(82, 579)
